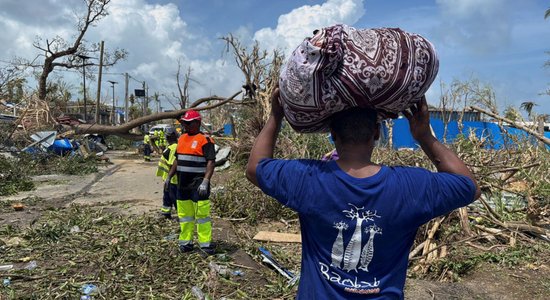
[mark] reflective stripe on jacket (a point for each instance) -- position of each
(190, 154)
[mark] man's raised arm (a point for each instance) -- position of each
(444, 159)
(264, 145)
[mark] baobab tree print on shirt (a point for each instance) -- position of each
(358, 253)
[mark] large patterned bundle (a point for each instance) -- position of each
(340, 67)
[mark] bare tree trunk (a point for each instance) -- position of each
(183, 92)
(124, 129)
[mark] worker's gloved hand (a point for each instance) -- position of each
(167, 184)
(203, 188)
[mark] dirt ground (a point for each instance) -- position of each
(129, 186)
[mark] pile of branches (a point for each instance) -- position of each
(514, 210)
(36, 115)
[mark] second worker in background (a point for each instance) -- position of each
(195, 159)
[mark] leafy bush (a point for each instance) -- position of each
(241, 199)
(42, 164)
(117, 143)
(13, 178)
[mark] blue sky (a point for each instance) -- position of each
(499, 42)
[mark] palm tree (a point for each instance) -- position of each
(528, 107)
(547, 14)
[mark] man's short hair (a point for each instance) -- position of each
(355, 125)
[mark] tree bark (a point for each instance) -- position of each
(124, 129)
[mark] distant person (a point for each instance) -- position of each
(195, 165)
(162, 141)
(168, 158)
(358, 219)
(156, 142)
(147, 147)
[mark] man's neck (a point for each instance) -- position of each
(356, 160)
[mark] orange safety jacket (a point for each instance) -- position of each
(193, 153)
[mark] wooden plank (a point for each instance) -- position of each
(279, 237)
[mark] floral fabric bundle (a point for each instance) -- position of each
(340, 67)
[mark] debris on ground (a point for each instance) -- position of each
(18, 206)
(139, 262)
(268, 258)
(279, 237)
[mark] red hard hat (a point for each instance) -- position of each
(191, 115)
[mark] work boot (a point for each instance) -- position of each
(186, 248)
(207, 251)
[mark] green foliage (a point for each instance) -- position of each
(15, 172)
(51, 164)
(118, 143)
(240, 199)
(49, 232)
(124, 256)
(13, 178)
(5, 130)
(300, 145)
(464, 260)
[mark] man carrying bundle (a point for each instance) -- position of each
(358, 219)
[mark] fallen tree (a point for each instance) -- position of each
(124, 129)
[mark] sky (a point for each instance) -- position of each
(502, 43)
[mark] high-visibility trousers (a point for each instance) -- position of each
(191, 214)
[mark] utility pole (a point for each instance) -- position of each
(147, 98)
(145, 104)
(126, 97)
(113, 116)
(99, 83)
(84, 58)
(158, 101)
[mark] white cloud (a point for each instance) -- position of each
(293, 27)
(155, 37)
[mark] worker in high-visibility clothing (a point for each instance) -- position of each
(156, 141)
(147, 147)
(162, 140)
(195, 165)
(167, 158)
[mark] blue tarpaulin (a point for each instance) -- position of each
(490, 133)
(62, 147)
(227, 129)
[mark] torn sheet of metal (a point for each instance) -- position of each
(270, 260)
(44, 138)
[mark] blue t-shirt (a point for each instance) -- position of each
(357, 232)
